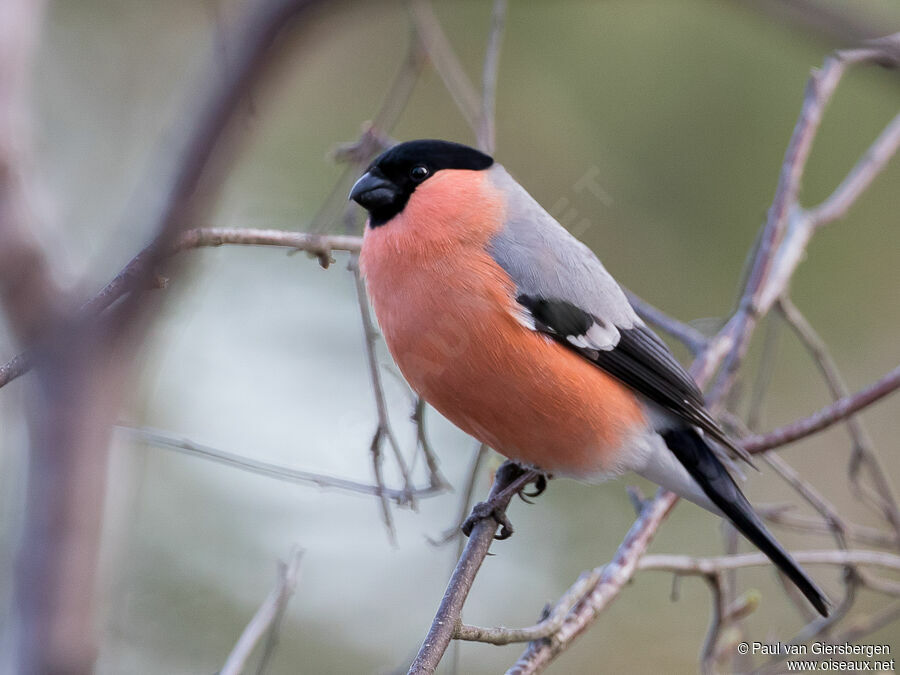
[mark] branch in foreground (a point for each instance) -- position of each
(83, 366)
(319, 245)
(267, 617)
(680, 565)
(509, 481)
(615, 575)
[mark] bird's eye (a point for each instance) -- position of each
(418, 172)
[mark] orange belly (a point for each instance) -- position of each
(454, 337)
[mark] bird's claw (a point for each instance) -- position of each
(540, 484)
(483, 511)
(495, 509)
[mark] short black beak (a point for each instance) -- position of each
(373, 191)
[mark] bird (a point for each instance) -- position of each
(513, 330)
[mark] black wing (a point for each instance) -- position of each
(639, 359)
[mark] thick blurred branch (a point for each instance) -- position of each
(81, 364)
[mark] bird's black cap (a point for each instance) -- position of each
(385, 187)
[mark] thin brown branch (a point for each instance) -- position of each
(375, 136)
(709, 567)
(869, 624)
(689, 565)
(435, 478)
(14, 368)
(378, 471)
(169, 441)
(838, 529)
(863, 452)
(545, 628)
(764, 373)
(837, 23)
(860, 177)
(509, 480)
(465, 501)
(813, 497)
(614, 577)
(826, 417)
(188, 190)
(716, 621)
(267, 617)
(862, 534)
(689, 336)
(384, 430)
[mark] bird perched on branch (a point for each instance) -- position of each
(514, 330)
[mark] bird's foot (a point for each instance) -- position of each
(511, 479)
(485, 510)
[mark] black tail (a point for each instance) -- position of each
(703, 465)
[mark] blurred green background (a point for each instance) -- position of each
(681, 111)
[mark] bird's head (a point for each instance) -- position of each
(390, 181)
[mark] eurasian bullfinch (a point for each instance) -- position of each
(513, 330)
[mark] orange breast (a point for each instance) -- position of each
(446, 310)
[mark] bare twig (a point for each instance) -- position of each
(465, 500)
(764, 372)
(716, 621)
(266, 618)
(683, 564)
(710, 567)
(863, 453)
(435, 477)
(860, 177)
(781, 515)
(544, 628)
(384, 430)
(689, 336)
(615, 575)
(168, 441)
(375, 135)
(486, 127)
(509, 480)
(29, 295)
(826, 417)
(838, 24)
(446, 62)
